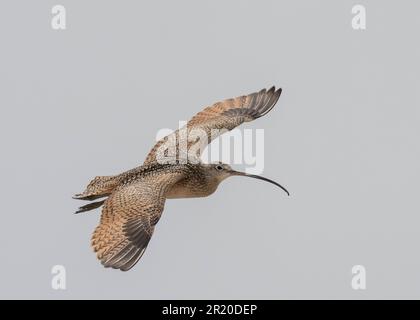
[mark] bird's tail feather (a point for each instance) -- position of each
(100, 187)
(90, 206)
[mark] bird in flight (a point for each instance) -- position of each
(133, 201)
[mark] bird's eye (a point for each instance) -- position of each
(219, 167)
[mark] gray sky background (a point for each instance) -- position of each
(344, 139)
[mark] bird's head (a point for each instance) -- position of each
(220, 171)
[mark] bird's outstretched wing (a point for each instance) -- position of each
(128, 219)
(215, 120)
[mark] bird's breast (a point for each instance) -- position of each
(187, 188)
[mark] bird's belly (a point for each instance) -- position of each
(186, 190)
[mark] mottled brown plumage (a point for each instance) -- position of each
(134, 200)
(220, 117)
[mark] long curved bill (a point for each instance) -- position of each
(238, 173)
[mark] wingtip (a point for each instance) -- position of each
(272, 89)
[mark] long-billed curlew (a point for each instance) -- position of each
(134, 200)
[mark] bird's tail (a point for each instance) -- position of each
(100, 187)
(90, 206)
